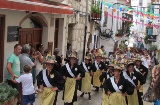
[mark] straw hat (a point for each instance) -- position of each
(87, 57)
(138, 59)
(130, 62)
(104, 56)
(117, 67)
(111, 65)
(98, 55)
(72, 55)
(50, 59)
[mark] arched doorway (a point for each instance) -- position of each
(31, 29)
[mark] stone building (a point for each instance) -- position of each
(54, 23)
(75, 29)
(33, 22)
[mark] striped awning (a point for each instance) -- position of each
(35, 6)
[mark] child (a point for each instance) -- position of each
(26, 79)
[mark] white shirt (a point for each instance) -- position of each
(27, 84)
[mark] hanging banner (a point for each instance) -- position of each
(127, 9)
(151, 25)
(152, 38)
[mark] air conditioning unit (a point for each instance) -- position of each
(60, 1)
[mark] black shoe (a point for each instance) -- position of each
(18, 103)
(89, 96)
(82, 94)
(97, 89)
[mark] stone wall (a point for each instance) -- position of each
(76, 26)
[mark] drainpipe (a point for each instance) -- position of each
(85, 30)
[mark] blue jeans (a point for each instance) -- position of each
(28, 99)
(157, 102)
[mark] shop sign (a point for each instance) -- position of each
(12, 33)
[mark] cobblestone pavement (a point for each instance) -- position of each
(96, 98)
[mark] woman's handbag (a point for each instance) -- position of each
(149, 96)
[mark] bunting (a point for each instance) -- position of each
(151, 25)
(121, 8)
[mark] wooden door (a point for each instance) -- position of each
(56, 33)
(2, 28)
(31, 36)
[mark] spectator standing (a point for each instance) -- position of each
(58, 65)
(40, 58)
(69, 50)
(24, 58)
(13, 67)
(33, 58)
(88, 52)
(28, 97)
(101, 50)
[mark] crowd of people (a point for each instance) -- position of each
(120, 76)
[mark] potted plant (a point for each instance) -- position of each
(7, 94)
(96, 12)
(119, 33)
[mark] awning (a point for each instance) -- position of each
(24, 5)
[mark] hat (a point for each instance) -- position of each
(87, 57)
(116, 67)
(147, 56)
(98, 55)
(72, 55)
(130, 62)
(122, 66)
(138, 59)
(104, 56)
(50, 59)
(111, 65)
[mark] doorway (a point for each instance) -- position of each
(31, 36)
(2, 28)
(56, 33)
(31, 32)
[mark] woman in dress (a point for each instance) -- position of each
(117, 88)
(49, 82)
(97, 68)
(33, 57)
(85, 83)
(106, 75)
(137, 80)
(71, 72)
(40, 59)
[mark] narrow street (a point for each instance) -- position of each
(96, 98)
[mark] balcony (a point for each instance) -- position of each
(96, 10)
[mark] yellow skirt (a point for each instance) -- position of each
(96, 81)
(104, 98)
(141, 88)
(70, 85)
(47, 96)
(116, 99)
(86, 83)
(133, 99)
